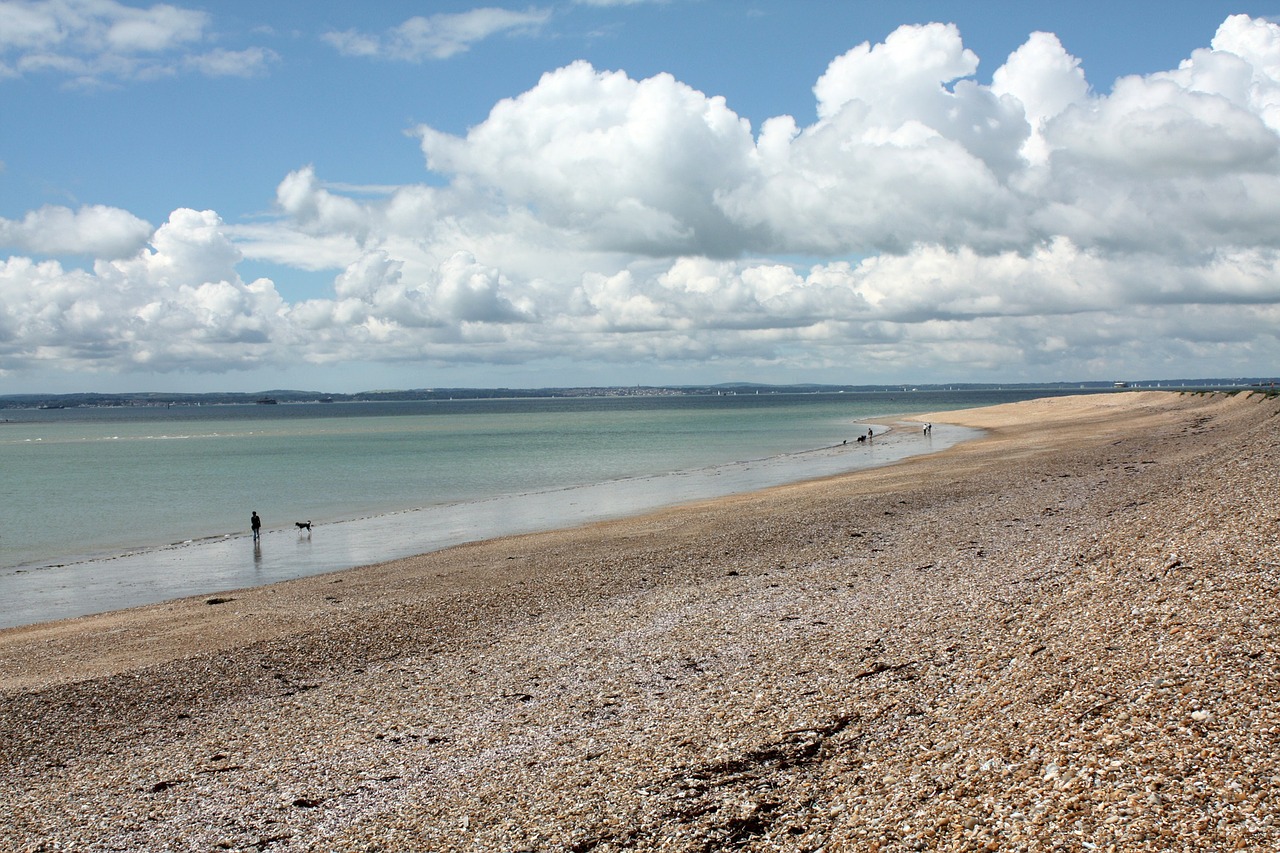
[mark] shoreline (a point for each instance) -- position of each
(1065, 631)
(215, 564)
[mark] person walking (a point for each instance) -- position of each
(255, 524)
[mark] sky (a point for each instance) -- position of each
(320, 195)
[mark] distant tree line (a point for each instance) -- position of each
(66, 401)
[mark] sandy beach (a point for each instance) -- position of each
(1061, 636)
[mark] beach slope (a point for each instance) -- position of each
(1064, 634)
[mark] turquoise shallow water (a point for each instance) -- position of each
(105, 508)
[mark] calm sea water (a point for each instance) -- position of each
(102, 508)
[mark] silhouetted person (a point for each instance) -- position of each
(255, 524)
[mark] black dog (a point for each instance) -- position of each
(303, 525)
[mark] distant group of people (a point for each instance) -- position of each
(863, 439)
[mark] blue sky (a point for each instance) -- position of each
(240, 196)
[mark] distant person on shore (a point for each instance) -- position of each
(870, 434)
(255, 524)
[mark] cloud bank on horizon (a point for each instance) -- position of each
(924, 227)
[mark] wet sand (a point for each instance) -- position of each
(1061, 635)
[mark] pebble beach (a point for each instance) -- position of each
(1063, 635)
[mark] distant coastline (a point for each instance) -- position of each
(160, 398)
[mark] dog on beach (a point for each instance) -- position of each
(304, 525)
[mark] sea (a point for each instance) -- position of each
(112, 507)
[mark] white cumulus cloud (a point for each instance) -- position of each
(176, 305)
(924, 223)
(631, 165)
(97, 230)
